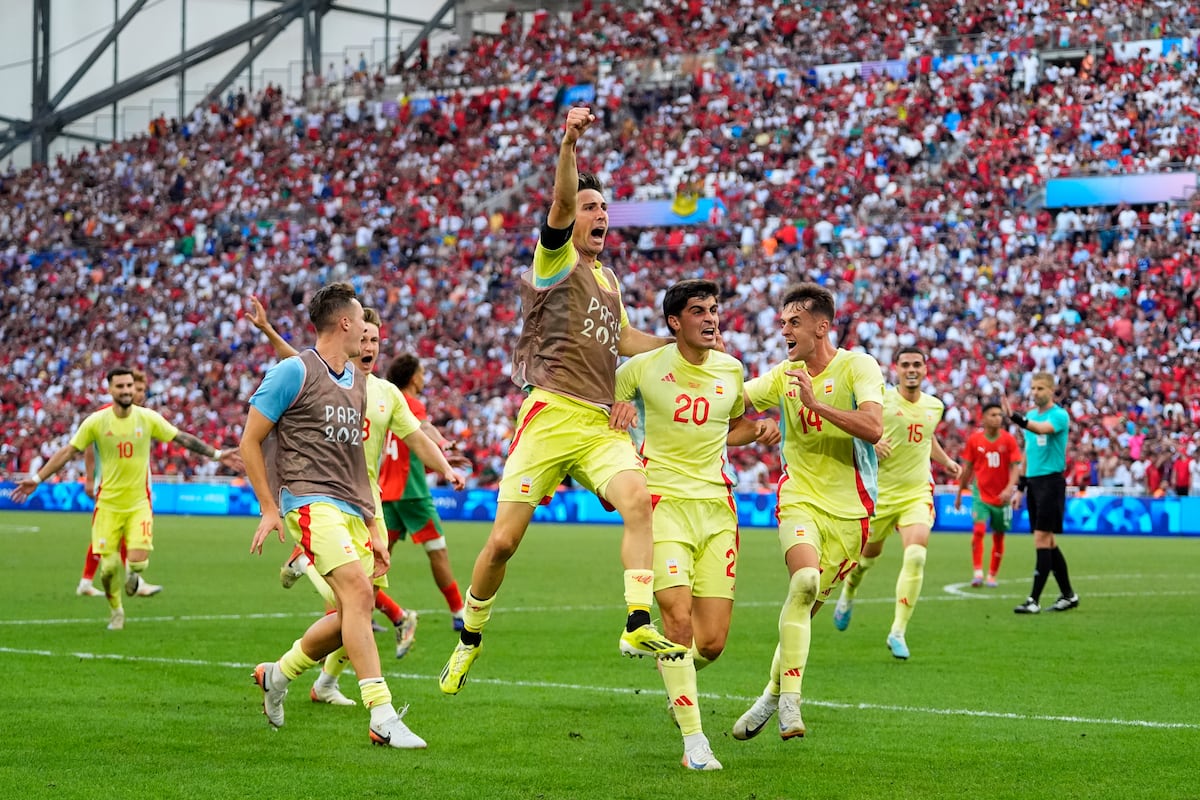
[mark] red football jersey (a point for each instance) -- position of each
(991, 459)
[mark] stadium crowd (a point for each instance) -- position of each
(929, 231)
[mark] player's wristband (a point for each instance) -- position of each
(1022, 483)
(1019, 420)
(35, 478)
(216, 456)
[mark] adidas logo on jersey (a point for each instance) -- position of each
(669, 377)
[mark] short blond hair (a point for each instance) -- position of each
(1046, 378)
(371, 317)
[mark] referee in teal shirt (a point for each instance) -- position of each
(1045, 486)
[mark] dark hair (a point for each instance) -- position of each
(328, 304)
(589, 181)
(678, 294)
(910, 350)
(115, 371)
(988, 406)
(814, 299)
(402, 369)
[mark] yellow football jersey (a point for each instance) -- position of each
(123, 449)
(684, 411)
(908, 428)
(823, 465)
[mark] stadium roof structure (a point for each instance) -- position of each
(50, 115)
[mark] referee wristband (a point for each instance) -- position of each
(1022, 483)
(216, 456)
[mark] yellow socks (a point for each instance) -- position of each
(110, 573)
(639, 589)
(850, 586)
(700, 661)
(679, 676)
(322, 587)
(795, 628)
(294, 662)
(375, 693)
(336, 663)
(908, 586)
(476, 612)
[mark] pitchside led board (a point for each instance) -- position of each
(1107, 514)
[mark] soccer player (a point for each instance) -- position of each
(123, 519)
(993, 459)
(91, 561)
(407, 504)
(910, 419)
(574, 327)
(831, 408)
(314, 403)
(686, 399)
(1046, 428)
(387, 413)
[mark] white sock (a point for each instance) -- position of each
(382, 713)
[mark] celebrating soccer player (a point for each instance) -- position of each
(315, 403)
(574, 327)
(687, 399)
(121, 433)
(910, 419)
(830, 403)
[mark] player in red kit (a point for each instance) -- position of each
(992, 457)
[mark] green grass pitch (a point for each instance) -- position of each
(1095, 703)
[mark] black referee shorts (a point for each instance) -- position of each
(1047, 501)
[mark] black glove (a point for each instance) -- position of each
(1018, 419)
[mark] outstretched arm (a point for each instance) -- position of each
(633, 341)
(566, 175)
(229, 458)
(258, 318)
(27, 486)
(432, 456)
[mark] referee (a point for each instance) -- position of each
(1045, 484)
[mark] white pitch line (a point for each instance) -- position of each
(953, 594)
(616, 690)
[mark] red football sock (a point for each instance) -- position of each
(453, 597)
(389, 607)
(977, 546)
(997, 551)
(90, 564)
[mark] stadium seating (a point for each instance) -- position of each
(914, 197)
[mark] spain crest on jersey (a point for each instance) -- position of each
(828, 386)
(719, 388)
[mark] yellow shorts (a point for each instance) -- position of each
(696, 545)
(555, 438)
(110, 528)
(888, 518)
(330, 537)
(838, 541)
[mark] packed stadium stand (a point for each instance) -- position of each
(916, 195)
